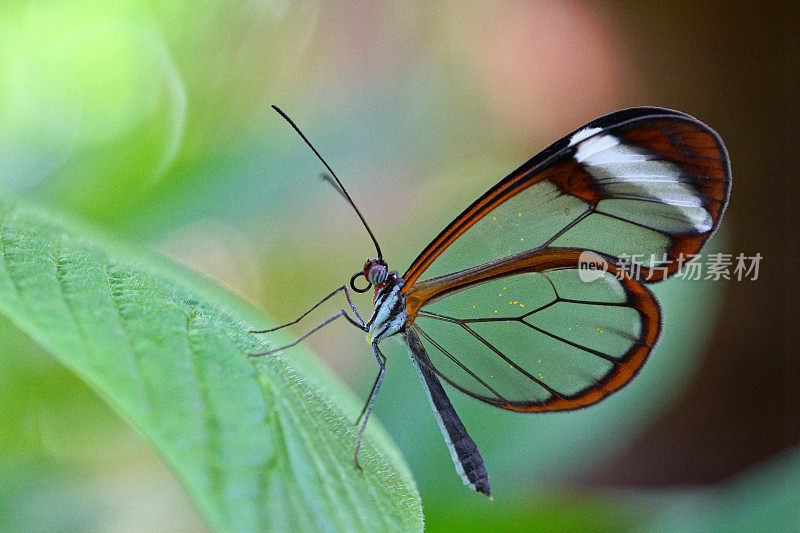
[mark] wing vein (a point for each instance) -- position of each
(586, 349)
(459, 363)
(510, 362)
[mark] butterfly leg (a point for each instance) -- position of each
(353, 307)
(371, 400)
(369, 396)
(314, 329)
(328, 297)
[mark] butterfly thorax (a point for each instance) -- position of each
(389, 314)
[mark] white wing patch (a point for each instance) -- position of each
(624, 171)
(591, 150)
(582, 134)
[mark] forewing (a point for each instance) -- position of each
(646, 184)
(534, 333)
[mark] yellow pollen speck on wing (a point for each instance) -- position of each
(369, 338)
(519, 214)
(600, 330)
(495, 310)
(522, 305)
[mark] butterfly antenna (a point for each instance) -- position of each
(339, 183)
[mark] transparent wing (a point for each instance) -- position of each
(534, 333)
(649, 184)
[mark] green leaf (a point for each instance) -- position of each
(261, 443)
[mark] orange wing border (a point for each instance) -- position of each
(674, 136)
(542, 260)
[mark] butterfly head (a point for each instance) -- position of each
(375, 271)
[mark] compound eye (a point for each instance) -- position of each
(377, 274)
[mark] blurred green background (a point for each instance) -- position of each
(151, 119)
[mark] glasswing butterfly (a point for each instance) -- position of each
(535, 297)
